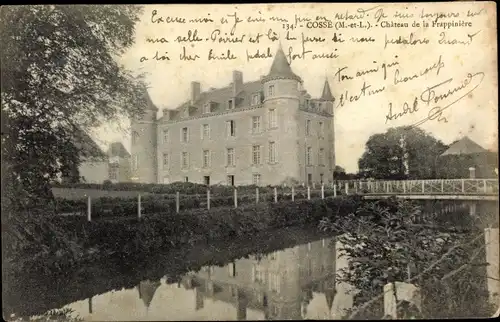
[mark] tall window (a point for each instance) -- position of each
(230, 157)
(308, 127)
(272, 116)
(321, 180)
(113, 172)
(165, 136)
(309, 156)
(135, 137)
(135, 162)
(231, 128)
(206, 108)
(270, 90)
(206, 158)
(205, 131)
(258, 274)
(255, 124)
(274, 282)
(184, 160)
(256, 154)
(321, 157)
(165, 161)
(321, 130)
(256, 179)
(272, 152)
(255, 99)
(185, 134)
(230, 104)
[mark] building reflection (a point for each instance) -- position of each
(280, 284)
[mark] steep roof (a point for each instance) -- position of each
(84, 142)
(147, 291)
(220, 96)
(464, 146)
(281, 68)
(327, 94)
(116, 149)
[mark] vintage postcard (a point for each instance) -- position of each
(250, 161)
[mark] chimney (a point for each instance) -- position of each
(195, 91)
(237, 82)
(166, 114)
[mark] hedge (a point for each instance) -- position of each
(57, 242)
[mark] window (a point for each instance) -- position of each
(321, 130)
(272, 118)
(186, 179)
(206, 180)
(165, 136)
(230, 180)
(186, 112)
(230, 157)
(309, 156)
(205, 131)
(135, 162)
(135, 137)
(184, 160)
(274, 282)
(321, 157)
(231, 128)
(256, 179)
(321, 178)
(255, 124)
(166, 180)
(256, 154)
(258, 274)
(309, 178)
(272, 152)
(206, 108)
(255, 99)
(165, 161)
(308, 127)
(206, 158)
(230, 104)
(313, 105)
(113, 172)
(185, 134)
(306, 103)
(232, 269)
(270, 90)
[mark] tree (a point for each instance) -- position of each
(400, 153)
(60, 78)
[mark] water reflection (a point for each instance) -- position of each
(294, 283)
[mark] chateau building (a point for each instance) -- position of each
(264, 132)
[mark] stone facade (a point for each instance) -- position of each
(264, 132)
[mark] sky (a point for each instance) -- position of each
(473, 114)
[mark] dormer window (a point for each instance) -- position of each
(255, 99)
(186, 112)
(230, 104)
(206, 108)
(313, 105)
(307, 103)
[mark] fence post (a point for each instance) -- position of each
(177, 201)
(322, 192)
(308, 193)
(335, 191)
(235, 198)
(347, 188)
(293, 193)
(387, 186)
(485, 187)
(89, 209)
(256, 195)
(404, 186)
(275, 194)
(423, 186)
(442, 186)
(208, 199)
(463, 186)
(139, 206)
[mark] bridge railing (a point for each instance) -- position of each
(415, 187)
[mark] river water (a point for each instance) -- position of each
(285, 274)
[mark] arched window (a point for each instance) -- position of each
(135, 137)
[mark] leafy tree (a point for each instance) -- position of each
(400, 153)
(60, 78)
(390, 241)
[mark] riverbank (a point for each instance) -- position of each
(42, 244)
